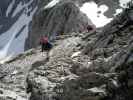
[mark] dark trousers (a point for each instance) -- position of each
(46, 47)
(43, 47)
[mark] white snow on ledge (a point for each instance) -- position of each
(10, 7)
(75, 54)
(9, 46)
(97, 90)
(91, 9)
(123, 3)
(8, 58)
(51, 4)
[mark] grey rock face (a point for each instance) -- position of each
(56, 79)
(114, 45)
(12, 13)
(104, 72)
(64, 18)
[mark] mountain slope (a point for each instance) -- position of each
(103, 71)
(82, 66)
(64, 18)
(16, 20)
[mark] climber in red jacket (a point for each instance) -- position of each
(45, 45)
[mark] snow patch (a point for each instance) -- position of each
(96, 14)
(123, 3)
(20, 7)
(103, 8)
(75, 54)
(10, 7)
(115, 83)
(24, 20)
(4, 51)
(11, 48)
(118, 11)
(91, 9)
(89, 63)
(3, 60)
(96, 90)
(14, 72)
(51, 4)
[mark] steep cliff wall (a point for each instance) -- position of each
(63, 18)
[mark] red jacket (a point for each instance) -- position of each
(43, 40)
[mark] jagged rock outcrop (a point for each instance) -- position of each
(103, 73)
(63, 18)
(68, 75)
(100, 70)
(16, 21)
(58, 79)
(114, 46)
(13, 75)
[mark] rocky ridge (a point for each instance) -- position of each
(82, 66)
(63, 18)
(101, 70)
